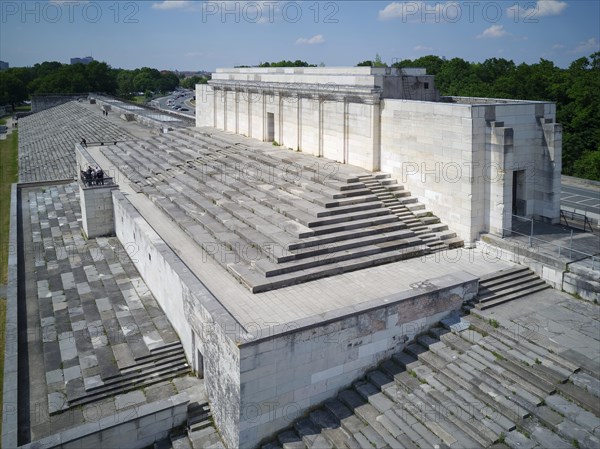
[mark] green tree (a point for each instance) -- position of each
(12, 89)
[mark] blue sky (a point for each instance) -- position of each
(202, 35)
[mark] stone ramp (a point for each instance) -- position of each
(47, 140)
(102, 332)
(469, 384)
(272, 218)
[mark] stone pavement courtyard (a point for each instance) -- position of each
(98, 343)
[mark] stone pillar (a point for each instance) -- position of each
(501, 143)
(346, 151)
(97, 211)
(550, 173)
(376, 133)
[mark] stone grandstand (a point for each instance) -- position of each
(283, 221)
(512, 379)
(46, 140)
(523, 375)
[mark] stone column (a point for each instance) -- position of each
(376, 133)
(346, 131)
(550, 173)
(500, 187)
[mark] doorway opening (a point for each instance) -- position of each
(270, 127)
(518, 193)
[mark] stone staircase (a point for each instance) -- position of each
(408, 208)
(199, 433)
(163, 363)
(506, 285)
(275, 218)
(469, 384)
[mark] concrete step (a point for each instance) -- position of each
(502, 273)
(494, 302)
(341, 236)
(340, 210)
(270, 269)
(508, 287)
(347, 217)
(333, 247)
(257, 282)
(355, 224)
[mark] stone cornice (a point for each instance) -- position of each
(322, 92)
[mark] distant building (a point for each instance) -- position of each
(85, 60)
(3, 65)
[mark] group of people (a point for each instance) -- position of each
(104, 112)
(92, 176)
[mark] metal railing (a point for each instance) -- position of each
(576, 216)
(97, 182)
(567, 252)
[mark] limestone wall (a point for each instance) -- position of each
(428, 146)
(459, 158)
(42, 102)
(135, 428)
(199, 320)
(345, 131)
(287, 373)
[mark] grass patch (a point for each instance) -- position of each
(493, 323)
(23, 108)
(8, 175)
(497, 355)
(2, 320)
(140, 99)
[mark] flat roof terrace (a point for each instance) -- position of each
(157, 169)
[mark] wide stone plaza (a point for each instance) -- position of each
(226, 290)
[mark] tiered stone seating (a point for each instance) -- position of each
(271, 218)
(47, 140)
(472, 384)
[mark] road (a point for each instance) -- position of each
(582, 199)
(178, 100)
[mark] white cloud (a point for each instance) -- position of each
(316, 39)
(550, 7)
(558, 46)
(493, 32)
(172, 4)
(542, 8)
(422, 48)
(589, 46)
(392, 11)
(423, 12)
(67, 2)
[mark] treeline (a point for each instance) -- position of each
(20, 83)
(576, 91)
